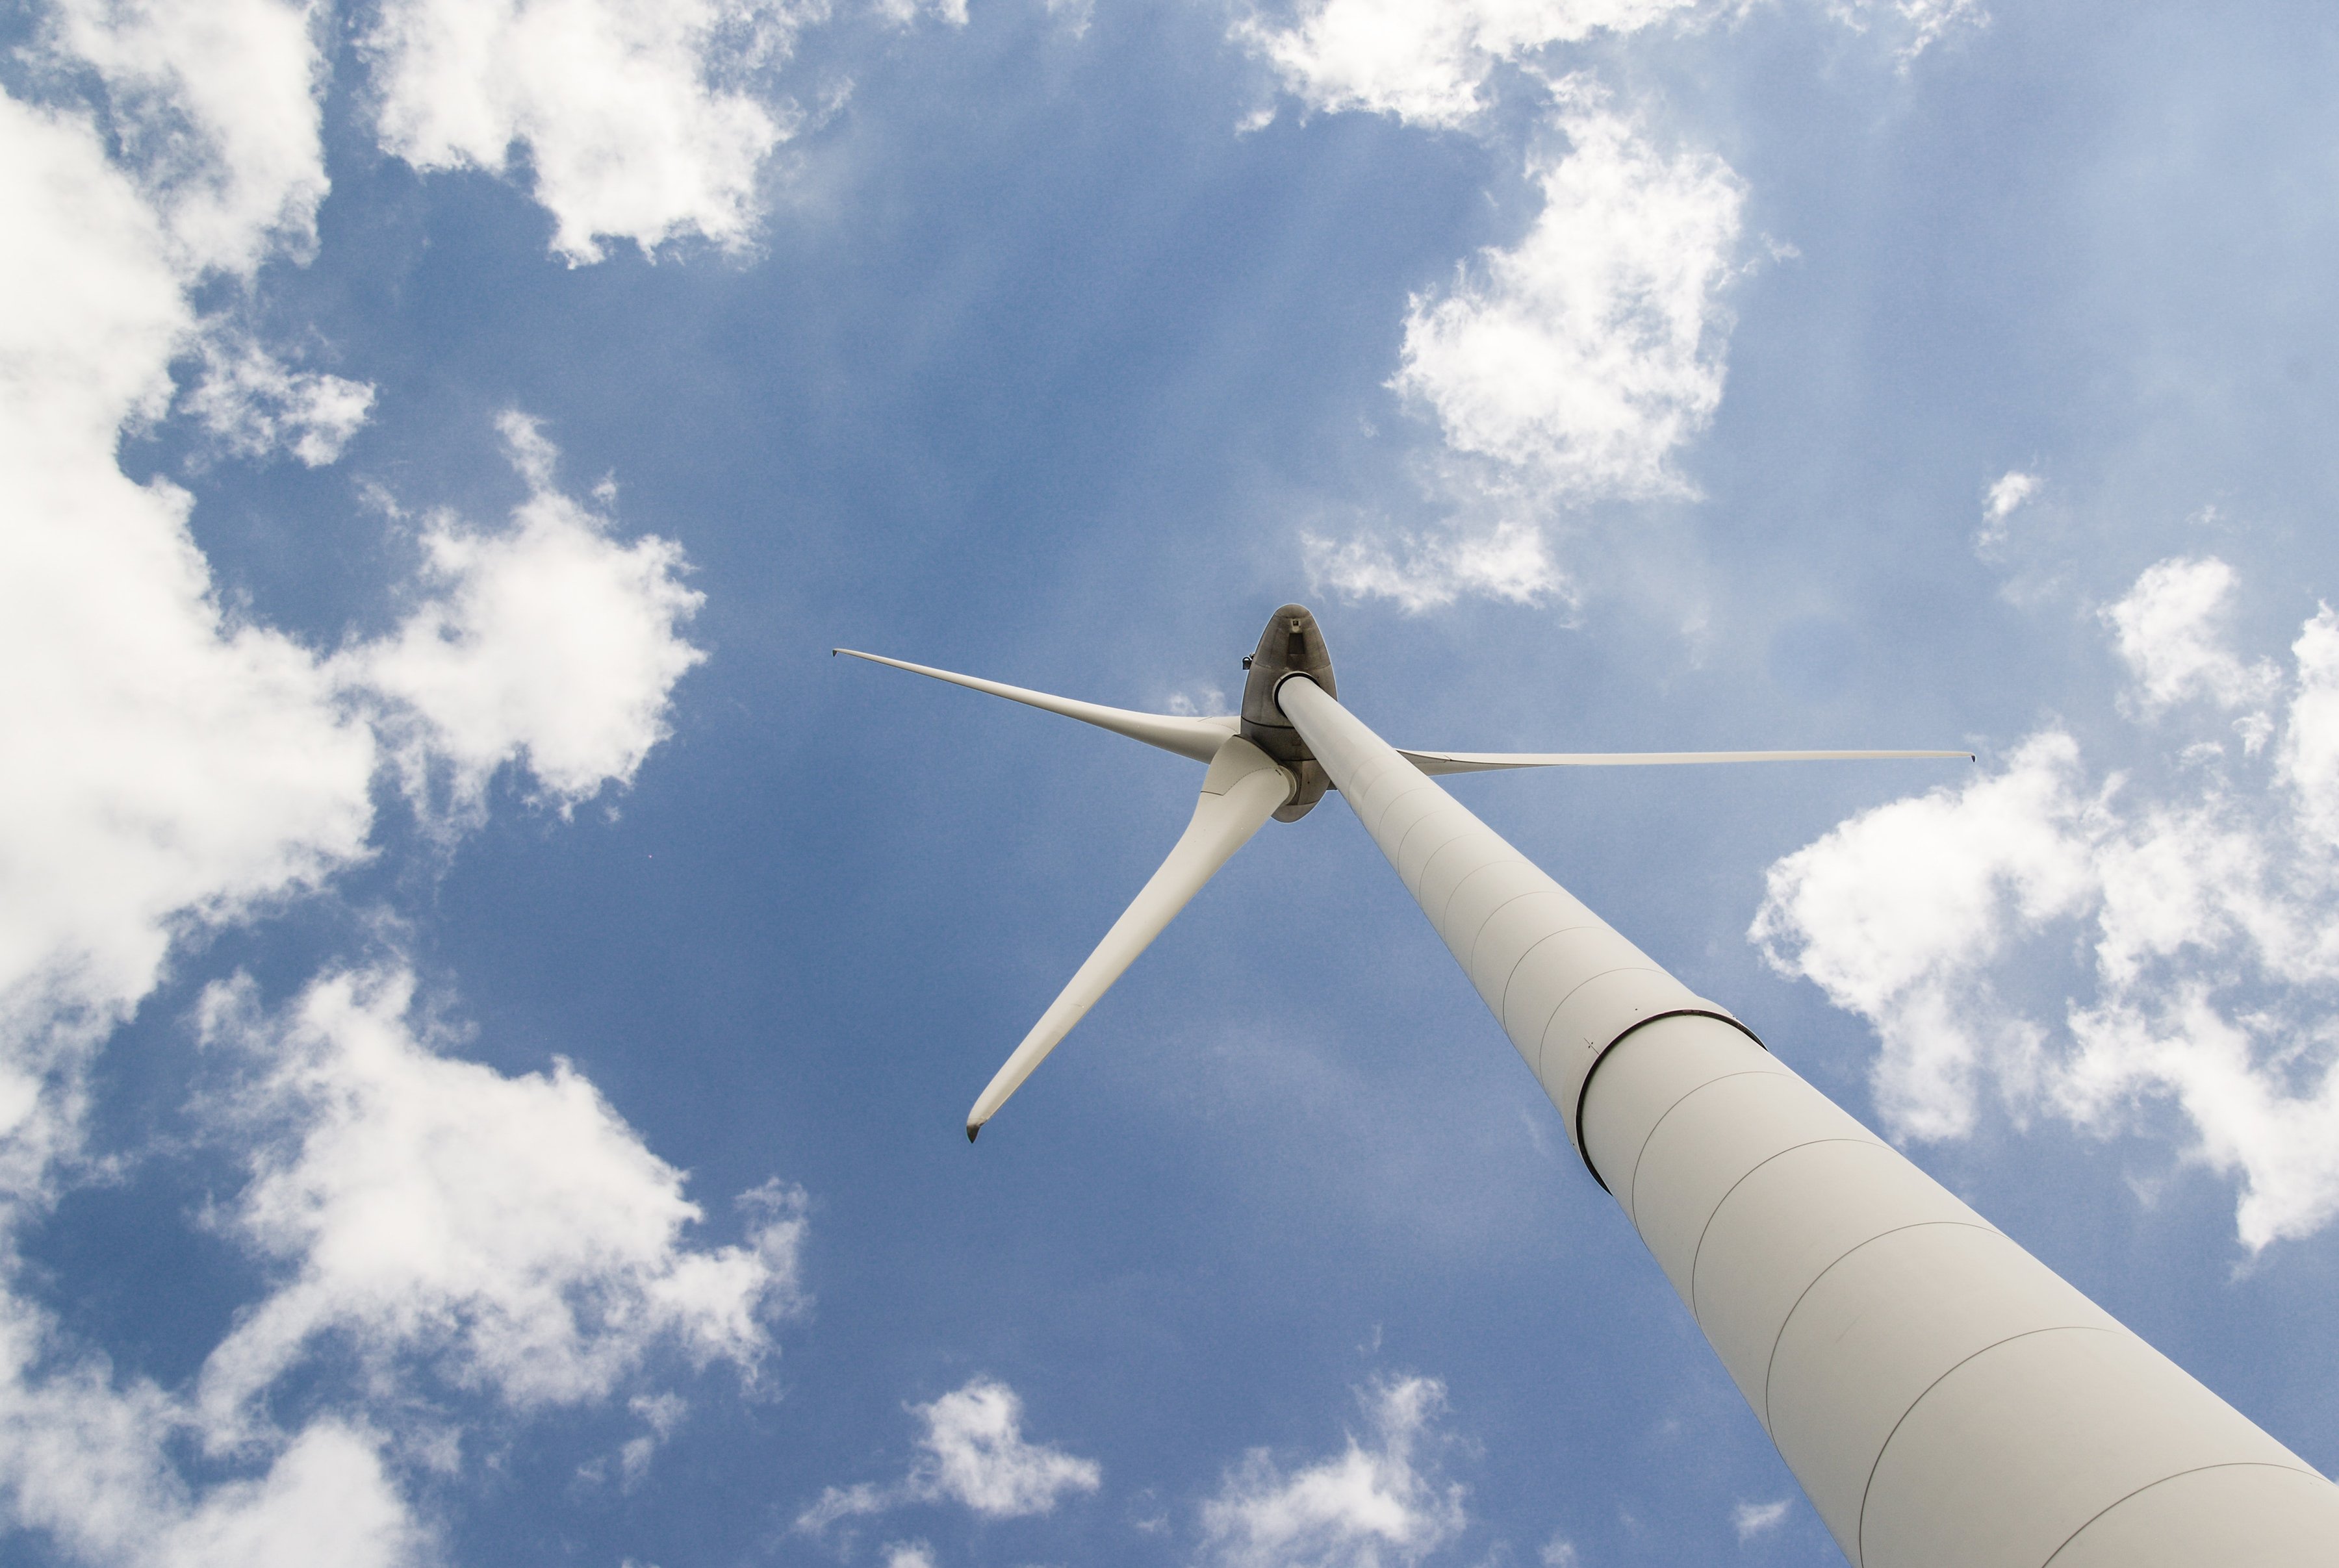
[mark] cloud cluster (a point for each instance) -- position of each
(550, 645)
(2202, 910)
(973, 1453)
(1567, 369)
(1427, 63)
(1582, 357)
(190, 767)
(636, 116)
(216, 106)
(513, 1232)
(1376, 1503)
(257, 405)
(86, 1465)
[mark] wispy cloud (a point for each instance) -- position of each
(1379, 1501)
(972, 1453)
(1427, 63)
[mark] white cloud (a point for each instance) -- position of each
(1509, 560)
(973, 1453)
(2168, 629)
(2007, 495)
(511, 1233)
(1372, 1504)
(87, 1464)
(2205, 915)
(2006, 492)
(635, 114)
(1918, 24)
(216, 104)
(1425, 63)
(1899, 912)
(326, 1499)
(909, 1554)
(257, 405)
(192, 767)
(551, 643)
(1588, 353)
(1753, 1519)
(187, 767)
(1559, 1552)
(1567, 369)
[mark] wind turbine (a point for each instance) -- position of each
(1945, 1399)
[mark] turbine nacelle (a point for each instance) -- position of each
(1259, 767)
(1292, 645)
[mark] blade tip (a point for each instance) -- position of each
(971, 1128)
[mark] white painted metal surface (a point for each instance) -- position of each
(1439, 763)
(1198, 738)
(1945, 1399)
(1240, 792)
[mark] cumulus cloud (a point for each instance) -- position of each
(86, 1464)
(2202, 911)
(1592, 350)
(512, 1233)
(2169, 629)
(1566, 370)
(551, 643)
(635, 115)
(188, 767)
(192, 767)
(1379, 1502)
(1753, 1519)
(973, 1452)
(1425, 63)
(216, 106)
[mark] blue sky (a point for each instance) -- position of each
(487, 1004)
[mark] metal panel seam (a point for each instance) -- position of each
(1438, 920)
(1576, 1117)
(1470, 959)
(1468, 879)
(1397, 861)
(1543, 1032)
(1633, 1189)
(1771, 1366)
(1698, 1256)
(1860, 1527)
(1380, 811)
(1503, 1011)
(2197, 1469)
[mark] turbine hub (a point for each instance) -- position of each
(1291, 644)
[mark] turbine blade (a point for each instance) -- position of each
(1435, 763)
(1198, 738)
(1244, 788)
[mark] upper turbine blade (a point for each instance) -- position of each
(1484, 762)
(1198, 738)
(1244, 788)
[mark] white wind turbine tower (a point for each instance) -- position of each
(1946, 1400)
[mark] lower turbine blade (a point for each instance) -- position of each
(1244, 788)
